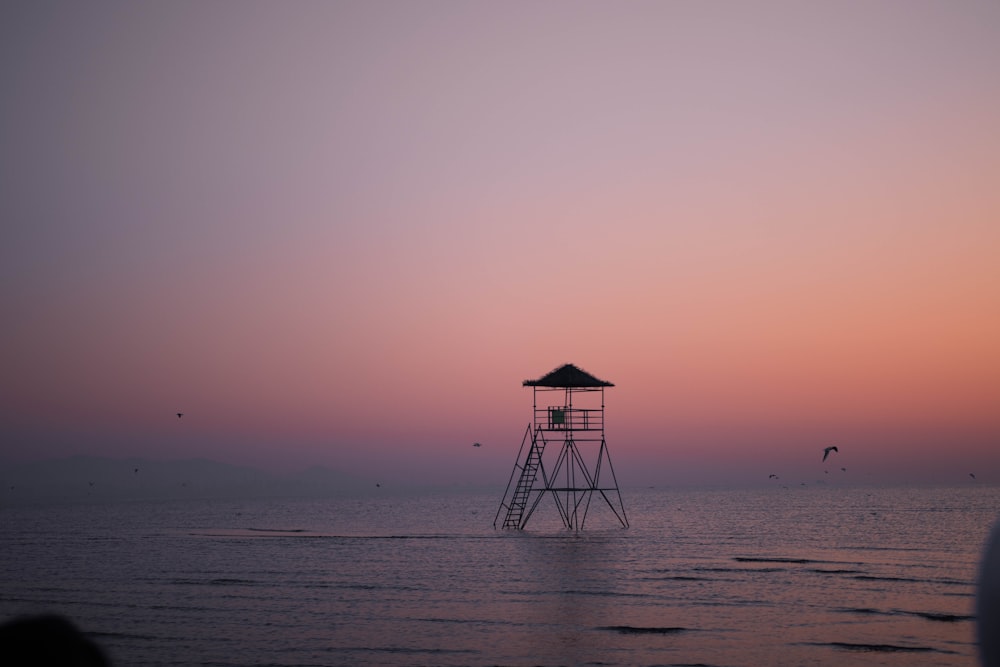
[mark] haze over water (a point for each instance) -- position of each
(342, 234)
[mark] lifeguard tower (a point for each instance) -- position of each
(567, 430)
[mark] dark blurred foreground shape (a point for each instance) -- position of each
(988, 602)
(47, 640)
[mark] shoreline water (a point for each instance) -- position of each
(741, 577)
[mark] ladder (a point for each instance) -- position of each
(522, 491)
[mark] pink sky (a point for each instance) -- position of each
(344, 233)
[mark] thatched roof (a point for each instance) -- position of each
(567, 376)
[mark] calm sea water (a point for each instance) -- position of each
(798, 576)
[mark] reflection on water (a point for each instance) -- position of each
(774, 577)
(572, 581)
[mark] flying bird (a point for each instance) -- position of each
(135, 471)
(772, 476)
(972, 476)
(827, 450)
(476, 444)
(180, 414)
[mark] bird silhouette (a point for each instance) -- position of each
(972, 476)
(772, 476)
(476, 444)
(180, 414)
(827, 450)
(135, 471)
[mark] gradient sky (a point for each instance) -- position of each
(342, 233)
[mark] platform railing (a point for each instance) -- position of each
(563, 418)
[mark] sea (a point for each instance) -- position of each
(719, 577)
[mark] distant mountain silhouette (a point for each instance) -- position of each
(83, 478)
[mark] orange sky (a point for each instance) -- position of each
(343, 234)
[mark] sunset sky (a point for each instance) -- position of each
(343, 233)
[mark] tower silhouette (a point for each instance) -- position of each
(567, 431)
